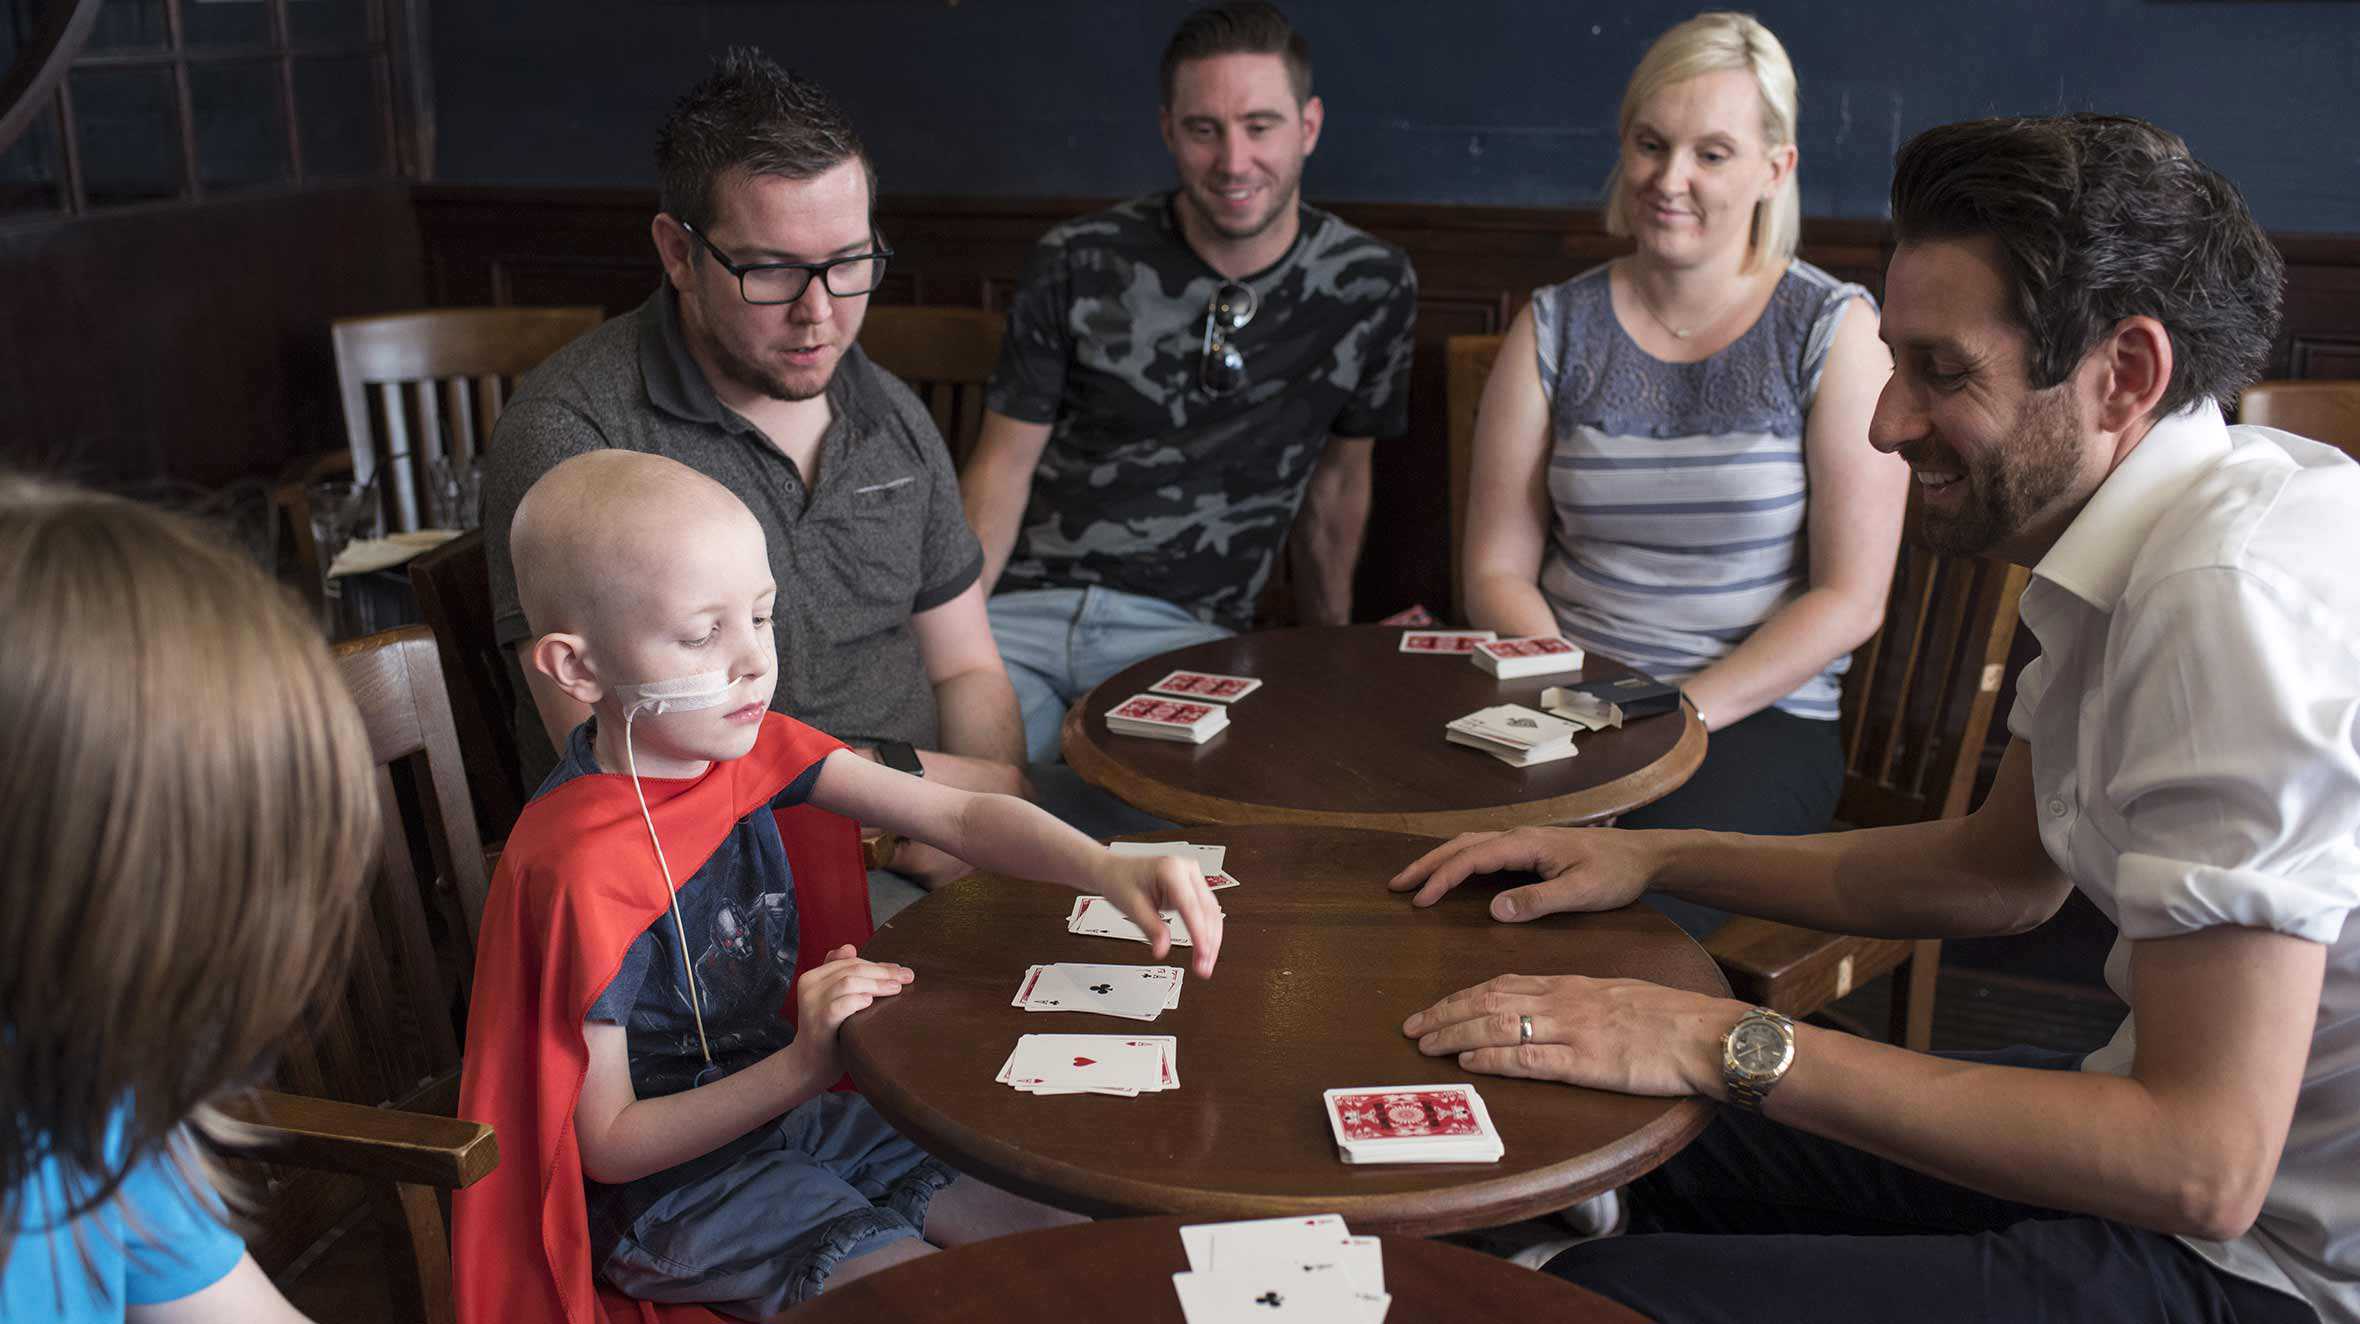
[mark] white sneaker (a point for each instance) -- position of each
(1599, 1216)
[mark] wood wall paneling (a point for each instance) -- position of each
(190, 344)
(1476, 267)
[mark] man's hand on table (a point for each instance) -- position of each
(1581, 869)
(1626, 1035)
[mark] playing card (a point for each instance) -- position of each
(1412, 1124)
(1206, 685)
(1514, 758)
(1160, 718)
(1208, 858)
(1202, 1241)
(1093, 1063)
(1274, 1296)
(1444, 642)
(1542, 655)
(1411, 616)
(1515, 726)
(1096, 917)
(1136, 992)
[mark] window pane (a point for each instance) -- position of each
(30, 172)
(315, 22)
(130, 134)
(336, 103)
(241, 137)
(129, 25)
(225, 22)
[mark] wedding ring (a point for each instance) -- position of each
(1524, 1029)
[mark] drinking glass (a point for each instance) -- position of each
(454, 492)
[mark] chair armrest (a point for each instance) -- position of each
(352, 1138)
(877, 847)
(1794, 970)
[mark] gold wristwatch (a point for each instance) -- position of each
(1755, 1056)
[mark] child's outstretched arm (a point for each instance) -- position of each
(1008, 835)
(624, 1137)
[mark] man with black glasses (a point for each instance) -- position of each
(744, 366)
(1180, 374)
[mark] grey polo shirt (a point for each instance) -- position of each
(881, 538)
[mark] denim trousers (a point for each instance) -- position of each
(1058, 642)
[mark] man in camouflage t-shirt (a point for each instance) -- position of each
(1181, 373)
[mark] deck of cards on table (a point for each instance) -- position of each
(1412, 1124)
(1122, 1065)
(1514, 734)
(1189, 721)
(1212, 859)
(1309, 1267)
(1444, 643)
(1514, 659)
(1133, 992)
(1205, 685)
(1096, 917)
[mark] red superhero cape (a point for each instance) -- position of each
(577, 882)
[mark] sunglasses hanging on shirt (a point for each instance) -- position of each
(1224, 368)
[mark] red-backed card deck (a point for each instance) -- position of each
(1210, 685)
(1189, 721)
(1444, 643)
(1412, 1124)
(1514, 659)
(1123, 1065)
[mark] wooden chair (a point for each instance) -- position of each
(453, 584)
(1917, 705)
(2326, 411)
(368, 1092)
(1467, 364)
(946, 355)
(419, 385)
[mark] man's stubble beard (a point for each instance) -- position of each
(2007, 492)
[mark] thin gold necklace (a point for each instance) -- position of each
(1638, 292)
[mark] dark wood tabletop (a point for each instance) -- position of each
(1121, 1269)
(1346, 731)
(1319, 965)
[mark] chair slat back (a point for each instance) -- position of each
(1467, 365)
(1919, 698)
(453, 583)
(389, 1035)
(2326, 411)
(946, 355)
(420, 385)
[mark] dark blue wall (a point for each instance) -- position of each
(1477, 101)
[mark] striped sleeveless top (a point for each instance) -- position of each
(1678, 489)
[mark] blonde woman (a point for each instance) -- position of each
(1672, 464)
(187, 812)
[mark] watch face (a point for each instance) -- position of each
(1759, 1048)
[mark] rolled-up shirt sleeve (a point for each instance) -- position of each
(2236, 796)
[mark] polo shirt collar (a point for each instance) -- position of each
(2092, 560)
(675, 384)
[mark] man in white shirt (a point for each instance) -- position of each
(2070, 302)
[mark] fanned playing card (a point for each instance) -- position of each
(1096, 917)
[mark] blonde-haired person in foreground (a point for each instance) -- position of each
(1671, 462)
(187, 814)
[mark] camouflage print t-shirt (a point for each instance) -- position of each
(1149, 483)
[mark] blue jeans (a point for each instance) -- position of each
(1058, 642)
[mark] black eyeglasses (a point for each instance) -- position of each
(1224, 369)
(784, 282)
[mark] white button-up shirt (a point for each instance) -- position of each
(2194, 724)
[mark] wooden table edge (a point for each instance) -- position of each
(1526, 1194)
(1629, 791)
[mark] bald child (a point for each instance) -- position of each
(718, 1169)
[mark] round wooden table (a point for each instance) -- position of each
(1122, 1270)
(1346, 731)
(1319, 966)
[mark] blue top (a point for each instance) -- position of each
(157, 1240)
(1679, 490)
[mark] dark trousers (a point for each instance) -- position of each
(1772, 775)
(1759, 1223)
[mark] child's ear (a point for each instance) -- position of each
(564, 658)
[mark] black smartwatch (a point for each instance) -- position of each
(901, 756)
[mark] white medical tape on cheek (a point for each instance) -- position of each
(705, 689)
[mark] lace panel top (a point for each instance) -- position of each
(1678, 490)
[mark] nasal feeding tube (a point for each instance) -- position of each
(705, 689)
